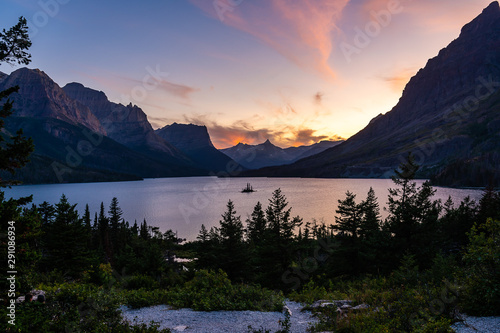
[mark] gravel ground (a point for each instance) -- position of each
(478, 325)
(187, 320)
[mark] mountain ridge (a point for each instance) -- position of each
(69, 134)
(40, 97)
(268, 154)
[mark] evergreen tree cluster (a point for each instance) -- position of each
(55, 238)
(278, 251)
(261, 252)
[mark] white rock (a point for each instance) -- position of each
(361, 307)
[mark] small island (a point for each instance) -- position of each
(248, 189)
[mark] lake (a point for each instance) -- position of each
(184, 204)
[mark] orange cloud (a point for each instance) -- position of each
(399, 80)
(300, 30)
(225, 136)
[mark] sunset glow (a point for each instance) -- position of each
(295, 72)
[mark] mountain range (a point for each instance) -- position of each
(267, 154)
(448, 116)
(81, 136)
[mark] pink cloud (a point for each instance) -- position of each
(299, 30)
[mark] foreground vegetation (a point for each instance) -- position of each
(415, 271)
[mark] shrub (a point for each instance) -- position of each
(393, 306)
(73, 307)
(212, 291)
(140, 282)
(142, 298)
(481, 294)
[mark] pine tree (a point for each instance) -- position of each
(371, 249)
(144, 230)
(489, 205)
(135, 228)
(257, 225)
(115, 214)
(116, 236)
(413, 216)
(103, 232)
(402, 219)
(87, 225)
(277, 250)
(347, 224)
(15, 150)
(66, 240)
(203, 234)
(234, 254)
(86, 218)
(349, 220)
(47, 212)
(278, 217)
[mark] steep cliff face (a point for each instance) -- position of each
(40, 97)
(186, 136)
(128, 125)
(446, 115)
(195, 142)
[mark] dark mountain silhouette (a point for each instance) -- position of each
(267, 154)
(127, 125)
(40, 97)
(71, 143)
(195, 142)
(448, 117)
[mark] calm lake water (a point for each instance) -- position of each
(184, 204)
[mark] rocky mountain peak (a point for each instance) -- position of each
(268, 143)
(40, 97)
(82, 93)
(485, 20)
(128, 125)
(183, 136)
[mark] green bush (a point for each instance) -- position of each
(208, 291)
(213, 291)
(139, 282)
(481, 292)
(393, 306)
(142, 298)
(74, 307)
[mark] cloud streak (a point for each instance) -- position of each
(300, 30)
(173, 89)
(398, 80)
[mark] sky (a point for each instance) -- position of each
(292, 71)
